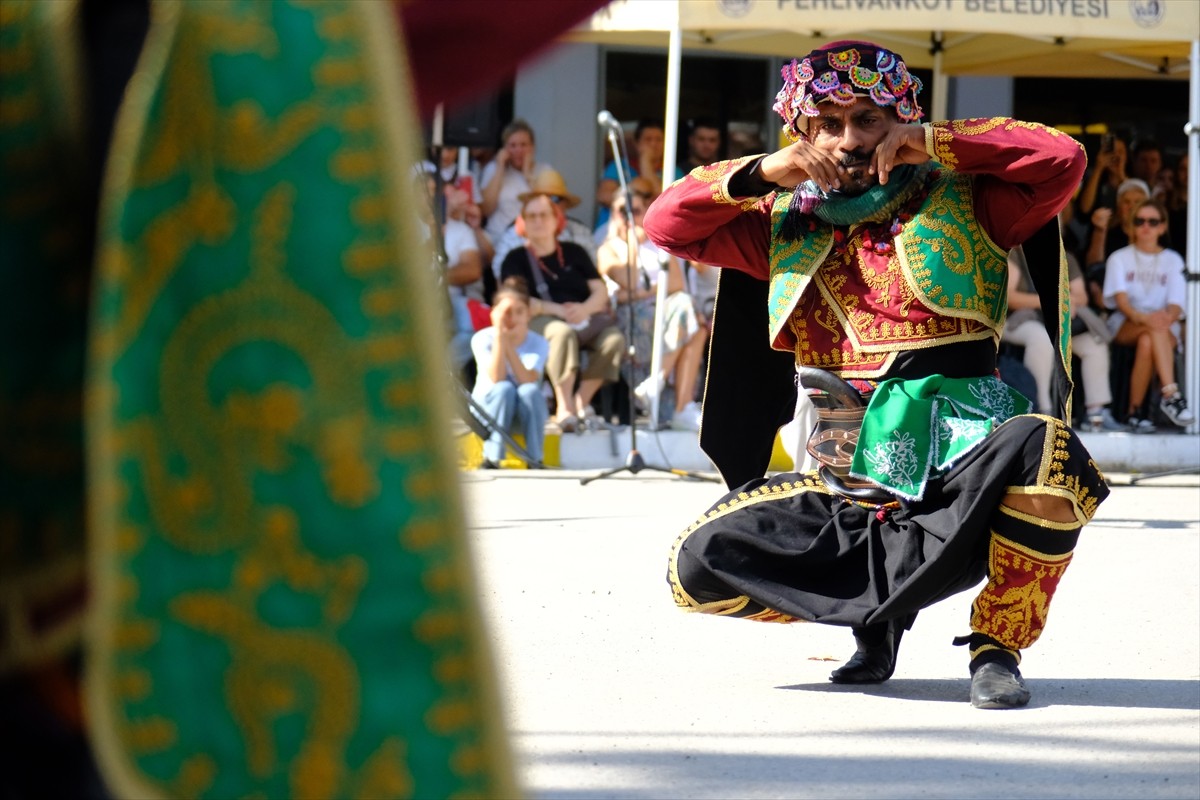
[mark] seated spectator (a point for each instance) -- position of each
(570, 306)
(1146, 161)
(507, 176)
(681, 343)
(1144, 282)
(510, 361)
(1026, 327)
(702, 283)
(452, 173)
(550, 183)
(1111, 230)
(1105, 177)
(460, 207)
(648, 141)
(461, 274)
(1175, 198)
(703, 144)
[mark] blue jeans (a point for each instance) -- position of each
(511, 405)
(461, 332)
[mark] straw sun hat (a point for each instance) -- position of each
(549, 182)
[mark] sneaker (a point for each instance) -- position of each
(1139, 425)
(1177, 411)
(687, 418)
(645, 392)
(1102, 421)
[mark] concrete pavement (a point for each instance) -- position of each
(613, 693)
(1124, 452)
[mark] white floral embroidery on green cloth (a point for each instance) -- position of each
(915, 429)
(895, 458)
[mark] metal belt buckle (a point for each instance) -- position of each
(840, 410)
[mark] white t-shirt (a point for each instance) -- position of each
(507, 204)
(459, 238)
(648, 261)
(533, 353)
(648, 266)
(1151, 282)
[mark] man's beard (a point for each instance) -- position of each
(856, 176)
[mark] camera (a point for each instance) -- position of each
(1107, 142)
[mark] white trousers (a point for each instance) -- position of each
(1040, 355)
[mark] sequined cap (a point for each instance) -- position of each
(840, 73)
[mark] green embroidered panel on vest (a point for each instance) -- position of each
(792, 265)
(950, 261)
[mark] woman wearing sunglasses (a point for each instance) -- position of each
(1144, 282)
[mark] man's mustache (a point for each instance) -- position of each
(856, 158)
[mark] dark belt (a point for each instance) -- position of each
(840, 410)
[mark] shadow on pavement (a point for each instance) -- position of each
(1047, 692)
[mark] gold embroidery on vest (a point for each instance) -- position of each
(970, 249)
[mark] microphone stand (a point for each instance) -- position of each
(634, 463)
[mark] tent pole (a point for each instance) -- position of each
(670, 147)
(940, 86)
(1191, 352)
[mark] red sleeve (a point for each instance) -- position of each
(1026, 171)
(697, 219)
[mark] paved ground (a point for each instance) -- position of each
(613, 693)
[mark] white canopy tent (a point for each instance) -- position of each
(1034, 38)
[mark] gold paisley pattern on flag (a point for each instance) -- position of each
(285, 606)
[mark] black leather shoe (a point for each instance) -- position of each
(995, 686)
(872, 663)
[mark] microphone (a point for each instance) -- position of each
(607, 120)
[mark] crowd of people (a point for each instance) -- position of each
(507, 216)
(1125, 232)
(508, 239)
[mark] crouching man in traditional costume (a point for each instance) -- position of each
(867, 264)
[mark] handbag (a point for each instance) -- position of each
(595, 324)
(1087, 320)
(585, 332)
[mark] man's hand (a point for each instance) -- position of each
(1113, 162)
(1101, 217)
(903, 144)
(798, 162)
(801, 160)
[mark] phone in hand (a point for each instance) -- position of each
(1108, 142)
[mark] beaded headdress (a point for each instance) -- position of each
(840, 73)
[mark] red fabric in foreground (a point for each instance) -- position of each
(460, 49)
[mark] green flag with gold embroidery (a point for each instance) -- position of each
(284, 599)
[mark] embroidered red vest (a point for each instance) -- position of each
(850, 309)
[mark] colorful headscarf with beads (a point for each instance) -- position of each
(841, 72)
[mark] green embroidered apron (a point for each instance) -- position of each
(914, 429)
